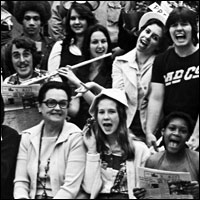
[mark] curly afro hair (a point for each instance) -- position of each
(41, 7)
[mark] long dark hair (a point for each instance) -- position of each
(183, 14)
(122, 132)
(84, 11)
(107, 67)
(163, 42)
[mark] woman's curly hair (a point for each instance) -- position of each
(41, 7)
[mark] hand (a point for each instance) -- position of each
(81, 90)
(151, 141)
(193, 143)
(139, 193)
(89, 140)
(193, 189)
(69, 74)
(132, 32)
(92, 86)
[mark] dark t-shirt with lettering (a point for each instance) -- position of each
(180, 75)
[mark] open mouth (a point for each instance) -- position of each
(180, 37)
(107, 126)
(144, 42)
(173, 143)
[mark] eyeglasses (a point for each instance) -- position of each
(52, 103)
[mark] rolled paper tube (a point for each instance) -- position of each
(90, 61)
(40, 78)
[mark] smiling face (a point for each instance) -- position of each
(107, 116)
(56, 114)
(78, 24)
(181, 34)
(22, 60)
(175, 135)
(98, 44)
(149, 39)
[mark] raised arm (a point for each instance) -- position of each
(68, 73)
(154, 111)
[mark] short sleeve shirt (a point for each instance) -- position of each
(180, 75)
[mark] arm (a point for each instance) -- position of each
(22, 181)
(154, 111)
(74, 107)
(68, 73)
(117, 77)
(94, 87)
(92, 180)
(193, 142)
(54, 57)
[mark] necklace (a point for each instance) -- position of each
(43, 181)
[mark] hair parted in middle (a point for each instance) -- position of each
(85, 12)
(122, 134)
(21, 42)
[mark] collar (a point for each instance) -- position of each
(131, 58)
(128, 57)
(67, 130)
(14, 79)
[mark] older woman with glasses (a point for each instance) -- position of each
(51, 158)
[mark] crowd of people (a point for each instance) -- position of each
(105, 119)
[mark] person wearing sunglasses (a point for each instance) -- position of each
(51, 158)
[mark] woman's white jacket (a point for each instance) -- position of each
(66, 167)
(124, 75)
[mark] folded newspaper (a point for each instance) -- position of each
(19, 97)
(160, 184)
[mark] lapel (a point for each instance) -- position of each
(35, 134)
(130, 67)
(67, 130)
